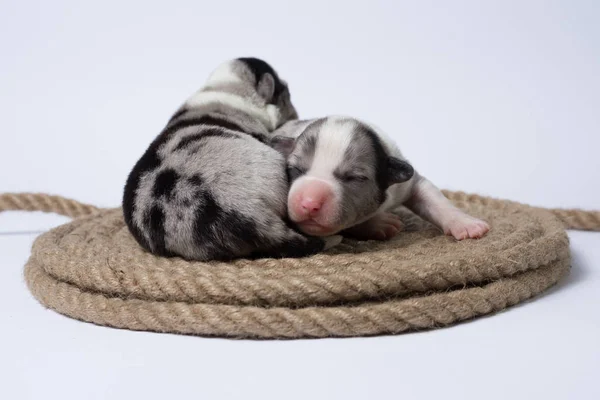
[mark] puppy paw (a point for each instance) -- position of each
(464, 226)
(382, 226)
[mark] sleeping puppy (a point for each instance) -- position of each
(209, 187)
(346, 176)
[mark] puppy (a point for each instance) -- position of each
(209, 187)
(346, 176)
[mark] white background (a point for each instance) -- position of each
(496, 97)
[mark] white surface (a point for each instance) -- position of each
(545, 349)
(497, 97)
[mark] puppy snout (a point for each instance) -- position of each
(311, 205)
(311, 199)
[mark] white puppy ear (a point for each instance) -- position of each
(399, 170)
(266, 87)
(283, 144)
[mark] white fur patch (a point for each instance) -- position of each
(224, 74)
(274, 114)
(335, 137)
(201, 98)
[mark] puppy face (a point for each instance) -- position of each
(339, 173)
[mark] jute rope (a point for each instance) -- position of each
(92, 269)
(44, 202)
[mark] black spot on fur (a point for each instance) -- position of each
(154, 221)
(149, 161)
(212, 120)
(220, 122)
(297, 247)
(165, 183)
(189, 140)
(221, 231)
(180, 124)
(196, 180)
(259, 68)
(223, 123)
(206, 214)
(225, 234)
(242, 228)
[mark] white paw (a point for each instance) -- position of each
(383, 226)
(332, 241)
(464, 226)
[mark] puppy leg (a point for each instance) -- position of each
(429, 203)
(382, 226)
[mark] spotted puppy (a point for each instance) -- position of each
(347, 176)
(208, 187)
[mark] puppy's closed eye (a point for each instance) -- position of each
(294, 172)
(351, 177)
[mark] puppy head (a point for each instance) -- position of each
(339, 173)
(256, 80)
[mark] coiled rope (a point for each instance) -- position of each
(93, 270)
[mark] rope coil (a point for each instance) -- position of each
(93, 270)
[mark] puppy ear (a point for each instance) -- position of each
(283, 144)
(266, 87)
(399, 170)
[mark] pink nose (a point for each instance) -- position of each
(310, 200)
(312, 205)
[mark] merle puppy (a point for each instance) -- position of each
(209, 187)
(347, 175)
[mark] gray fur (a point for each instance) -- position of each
(207, 188)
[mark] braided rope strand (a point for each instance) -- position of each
(581, 220)
(46, 203)
(387, 317)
